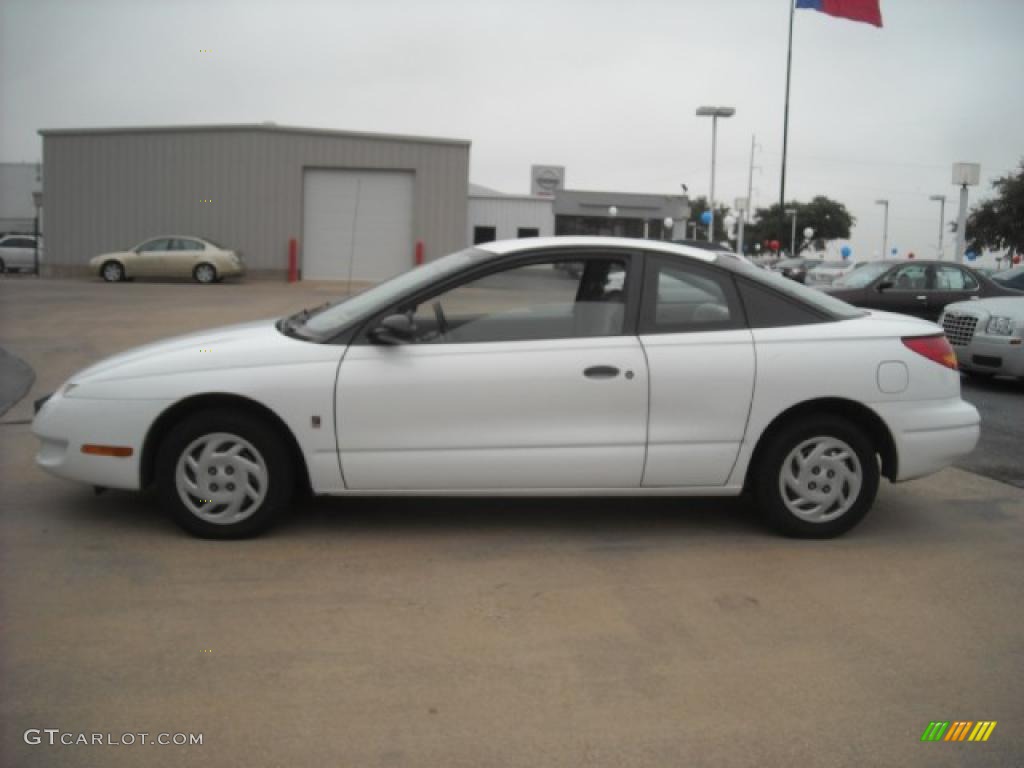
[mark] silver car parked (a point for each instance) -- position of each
(987, 335)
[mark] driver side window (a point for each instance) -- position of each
(556, 299)
(161, 244)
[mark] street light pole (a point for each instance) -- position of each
(964, 175)
(792, 237)
(744, 209)
(941, 200)
(37, 201)
(714, 113)
(885, 227)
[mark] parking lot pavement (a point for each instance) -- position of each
(1000, 452)
(410, 632)
(15, 380)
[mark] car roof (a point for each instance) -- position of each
(507, 247)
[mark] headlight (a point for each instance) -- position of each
(999, 325)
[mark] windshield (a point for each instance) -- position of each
(1013, 277)
(822, 301)
(862, 276)
(335, 316)
(831, 265)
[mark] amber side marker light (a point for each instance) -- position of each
(118, 451)
(935, 348)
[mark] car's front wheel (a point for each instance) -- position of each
(112, 272)
(224, 475)
(817, 478)
(205, 273)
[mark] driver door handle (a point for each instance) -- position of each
(601, 372)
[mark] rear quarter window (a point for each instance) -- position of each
(766, 308)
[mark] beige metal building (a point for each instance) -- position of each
(357, 203)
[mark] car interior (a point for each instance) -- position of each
(552, 300)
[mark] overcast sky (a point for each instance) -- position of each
(607, 88)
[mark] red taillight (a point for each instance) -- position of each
(935, 348)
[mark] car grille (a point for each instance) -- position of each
(959, 328)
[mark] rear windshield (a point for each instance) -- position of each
(831, 306)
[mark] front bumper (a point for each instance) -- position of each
(64, 424)
(997, 355)
(930, 434)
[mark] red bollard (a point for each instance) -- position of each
(293, 260)
(419, 252)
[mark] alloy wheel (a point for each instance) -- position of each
(205, 273)
(112, 272)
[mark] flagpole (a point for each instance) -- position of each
(785, 124)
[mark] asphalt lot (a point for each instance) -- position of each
(1000, 452)
(487, 632)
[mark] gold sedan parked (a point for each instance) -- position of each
(170, 256)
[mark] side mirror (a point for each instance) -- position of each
(393, 330)
(885, 285)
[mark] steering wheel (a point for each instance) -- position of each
(442, 321)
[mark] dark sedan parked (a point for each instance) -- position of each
(797, 268)
(920, 288)
(1011, 278)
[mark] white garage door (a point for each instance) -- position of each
(356, 224)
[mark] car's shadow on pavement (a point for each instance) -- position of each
(994, 383)
(619, 516)
(140, 514)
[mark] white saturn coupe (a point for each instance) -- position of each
(563, 366)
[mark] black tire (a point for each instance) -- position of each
(768, 490)
(112, 272)
(270, 448)
(200, 272)
(3, 267)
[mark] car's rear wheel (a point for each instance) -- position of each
(224, 475)
(817, 478)
(205, 273)
(3, 267)
(112, 272)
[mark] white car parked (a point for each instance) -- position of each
(987, 335)
(495, 370)
(18, 253)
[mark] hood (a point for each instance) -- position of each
(1012, 306)
(235, 346)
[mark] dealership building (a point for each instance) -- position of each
(358, 206)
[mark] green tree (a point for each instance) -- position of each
(998, 223)
(697, 207)
(828, 218)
